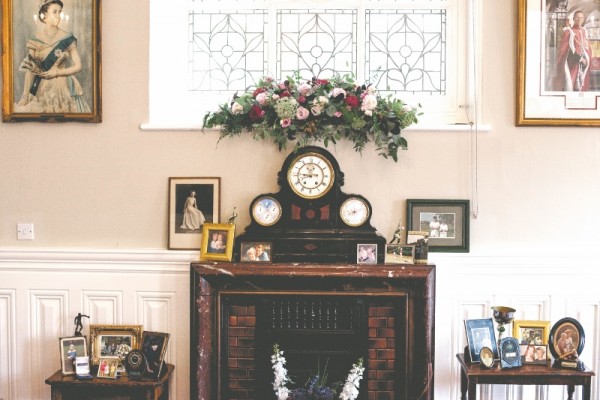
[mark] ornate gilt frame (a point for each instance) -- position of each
(18, 25)
(97, 331)
(227, 253)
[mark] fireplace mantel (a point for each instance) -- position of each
(404, 294)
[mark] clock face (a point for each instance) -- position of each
(266, 211)
(311, 175)
(354, 211)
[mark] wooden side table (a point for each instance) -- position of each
(473, 374)
(69, 387)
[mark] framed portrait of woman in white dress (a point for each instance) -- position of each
(51, 60)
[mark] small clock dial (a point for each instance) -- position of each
(311, 176)
(354, 211)
(266, 210)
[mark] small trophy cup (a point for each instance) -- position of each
(503, 315)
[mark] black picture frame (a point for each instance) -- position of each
(573, 332)
(154, 347)
(422, 214)
(480, 333)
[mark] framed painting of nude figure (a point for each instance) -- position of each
(51, 68)
(558, 77)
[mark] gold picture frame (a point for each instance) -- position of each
(217, 242)
(40, 63)
(531, 332)
(546, 94)
(103, 337)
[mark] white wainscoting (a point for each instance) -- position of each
(42, 290)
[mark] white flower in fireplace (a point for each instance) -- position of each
(316, 390)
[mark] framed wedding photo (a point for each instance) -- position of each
(51, 68)
(70, 349)
(446, 221)
(558, 77)
(480, 333)
(217, 242)
(192, 202)
(107, 339)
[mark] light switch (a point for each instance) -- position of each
(24, 231)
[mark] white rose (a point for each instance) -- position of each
(237, 108)
(369, 102)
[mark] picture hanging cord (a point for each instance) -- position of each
(474, 124)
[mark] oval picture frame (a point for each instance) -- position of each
(569, 330)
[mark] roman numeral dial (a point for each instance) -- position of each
(311, 176)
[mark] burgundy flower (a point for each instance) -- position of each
(258, 91)
(256, 113)
(301, 99)
(351, 101)
(322, 81)
(285, 93)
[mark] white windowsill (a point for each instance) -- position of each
(418, 127)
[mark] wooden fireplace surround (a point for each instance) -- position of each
(412, 287)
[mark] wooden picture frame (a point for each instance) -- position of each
(256, 252)
(534, 354)
(550, 91)
(399, 253)
(531, 332)
(71, 348)
(154, 347)
(185, 222)
(48, 74)
(217, 242)
(446, 221)
(103, 337)
(107, 367)
(480, 333)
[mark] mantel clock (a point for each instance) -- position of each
(310, 219)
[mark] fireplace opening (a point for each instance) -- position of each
(313, 330)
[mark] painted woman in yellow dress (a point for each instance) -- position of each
(50, 67)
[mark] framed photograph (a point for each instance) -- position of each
(192, 202)
(255, 252)
(366, 253)
(446, 221)
(531, 332)
(51, 61)
(107, 368)
(558, 78)
(109, 341)
(567, 339)
(217, 242)
(480, 333)
(154, 347)
(70, 349)
(534, 354)
(399, 253)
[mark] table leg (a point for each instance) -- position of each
(586, 388)
(570, 391)
(472, 384)
(463, 385)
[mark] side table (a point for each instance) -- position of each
(473, 374)
(69, 387)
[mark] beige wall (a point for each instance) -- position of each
(105, 185)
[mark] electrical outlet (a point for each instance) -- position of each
(24, 231)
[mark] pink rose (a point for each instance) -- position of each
(262, 98)
(337, 114)
(304, 89)
(302, 113)
(301, 99)
(285, 122)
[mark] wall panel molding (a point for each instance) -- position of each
(103, 307)
(8, 334)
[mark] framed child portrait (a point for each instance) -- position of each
(107, 368)
(255, 252)
(70, 349)
(480, 333)
(366, 253)
(217, 242)
(51, 61)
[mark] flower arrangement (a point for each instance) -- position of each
(314, 111)
(316, 388)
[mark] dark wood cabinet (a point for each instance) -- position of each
(68, 387)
